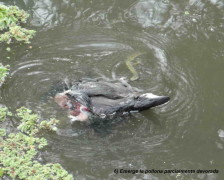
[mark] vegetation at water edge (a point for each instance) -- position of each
(18, 151)
(11, 18)
(4, 70)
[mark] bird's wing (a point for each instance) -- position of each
(103, 105)
(105, 89)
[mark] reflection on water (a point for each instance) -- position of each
(149, 13)
(182, 57)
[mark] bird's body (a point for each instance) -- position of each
(105, 98)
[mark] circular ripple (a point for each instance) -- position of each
(71, 57)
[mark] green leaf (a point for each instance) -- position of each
(2, 132)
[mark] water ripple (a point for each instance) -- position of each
(160, 72)
(88, 50)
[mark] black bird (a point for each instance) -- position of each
(103, 98)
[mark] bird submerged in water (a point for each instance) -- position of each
(89, 98)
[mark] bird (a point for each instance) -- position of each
(86, 99)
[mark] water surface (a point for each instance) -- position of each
(182, 45)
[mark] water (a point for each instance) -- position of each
(182, 57)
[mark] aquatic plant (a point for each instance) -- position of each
(30, 122)
(2, 132)
(18, 151)
(10, 19)
(17, 158)
(4, 70)
(4, 112)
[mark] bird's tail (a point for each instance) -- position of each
(148, 100)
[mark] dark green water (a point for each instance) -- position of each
(183, 57)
